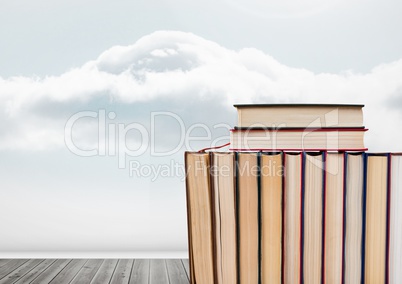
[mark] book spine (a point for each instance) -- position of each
(345, 162)
(283, 220)
(215, 210)
(248, 217)
(303, 163)
(324, 185)
(387, 236)
(195, 198)
(380, 203)
(363, 248)
(237, 215)
(190, 255)
(395, 233)
(259, 214)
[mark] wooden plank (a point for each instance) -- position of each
(11, 266)
(176, 272)
(52, 270)
(69, 272)
(20, 271)
(122, 273)
(4, 261)
(140, 272)
(186, 266)
(88, 271)
(105, 272)
(158, 272)
(35, 272)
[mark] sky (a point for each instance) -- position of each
(100, 99)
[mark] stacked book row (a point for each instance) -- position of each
(294, 217)
(296, 127)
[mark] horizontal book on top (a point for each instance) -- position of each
(300, 115)
(298, 139)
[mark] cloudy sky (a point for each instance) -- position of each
(99, 99)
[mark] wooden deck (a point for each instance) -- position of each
(95, 271)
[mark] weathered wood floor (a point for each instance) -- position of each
(94, 271)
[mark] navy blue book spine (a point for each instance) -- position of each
(259, 214)
(324, 185)
(345, 163)
(364, 215)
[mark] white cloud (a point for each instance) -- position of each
(177, 72)
(170, 69)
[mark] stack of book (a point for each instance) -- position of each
(298, 127)
(300, 216)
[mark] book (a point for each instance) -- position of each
(312, 222)
(247, 173)
(376, 218)
(353, 226)
(271, 217)
(299, 115)
(297, 139)
(395, 219)
(224, 216)
(333, 217)
(292, 217)
(199, 217)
